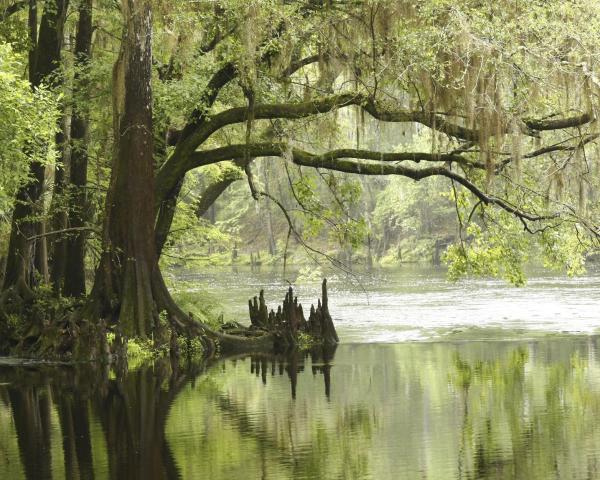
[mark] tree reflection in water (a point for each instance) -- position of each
(131, 409)
(477, 410)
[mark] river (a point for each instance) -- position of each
(476, 380)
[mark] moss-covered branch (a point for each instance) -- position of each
(196, 133)
(365, 162)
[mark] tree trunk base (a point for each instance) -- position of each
(31, 329)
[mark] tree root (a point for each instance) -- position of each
(29, 328)
(288, 324)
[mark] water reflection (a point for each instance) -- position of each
(292, 363)
(477, 410)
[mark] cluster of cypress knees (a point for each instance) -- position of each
(289, 325)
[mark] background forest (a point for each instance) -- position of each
(290, 132)
(143, 143)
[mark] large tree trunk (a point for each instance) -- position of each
(129, 290)
(74, 280)
(123, 286)
(43, 63)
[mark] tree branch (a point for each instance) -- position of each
(297, 65)
(12, 9)
(197, 133)
(221, 78)
(202, 158)
(214, 191)
(207, 157)
(559, 123)
(362, 162)
(379, 168)
(60, 232)
(558, 147)
(329, 103)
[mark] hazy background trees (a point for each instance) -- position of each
(290, 132)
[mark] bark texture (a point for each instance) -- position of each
(74, 280)
(123, 286)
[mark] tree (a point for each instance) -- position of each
(274, 81)
(477, 137)
(74, 275)
(123, 285)
(44, 62)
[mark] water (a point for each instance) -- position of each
(489, 387)
(418, 304)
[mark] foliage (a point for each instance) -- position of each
(200, 304)
(364, 132)
(27, 125)
(499, 251)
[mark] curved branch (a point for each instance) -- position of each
(221, 78)
(378, 168)
(12, 9)
(362, 162)
(196, 136)
(211, 193)
(429, 119)
(166, 175)
(297, 65)
(176, 165)
(198, 132)
(557, 147)
(559, 123)
(292, 111)
(207, 157)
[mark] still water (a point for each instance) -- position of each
(502, 401)
(418, 304)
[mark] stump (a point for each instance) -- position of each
(289, 325)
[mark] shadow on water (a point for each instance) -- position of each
(48, 405)
(470, 410)
(292, 363)
(130, 408)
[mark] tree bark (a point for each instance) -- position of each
(123, 285)
(57, 208)
(74, 280)
(129, 290)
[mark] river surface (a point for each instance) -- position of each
(476, 380)
(418, 304)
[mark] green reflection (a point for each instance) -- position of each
(487, 410)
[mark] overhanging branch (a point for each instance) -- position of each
(361, 162)
(165, 176)
(294, 111)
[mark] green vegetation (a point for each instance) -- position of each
(477, 410)
(140, 137)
